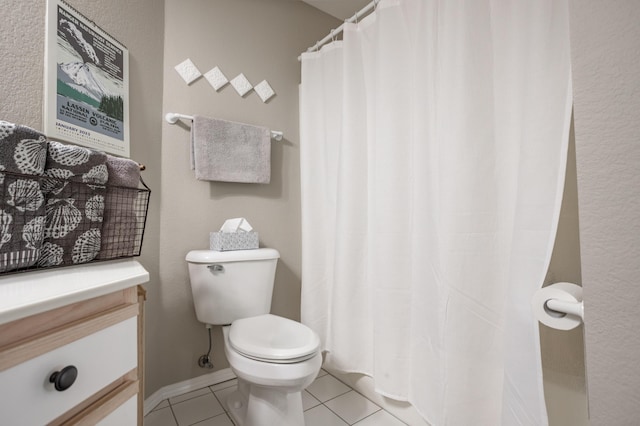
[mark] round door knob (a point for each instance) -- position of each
(64, 378)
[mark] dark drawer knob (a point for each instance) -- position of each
(64, 378)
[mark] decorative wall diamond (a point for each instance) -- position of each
(241, 84)
(216, 78)
(188, 71)
(264, 90)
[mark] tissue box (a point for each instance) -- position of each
(226, 241)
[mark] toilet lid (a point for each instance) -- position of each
(273, 338)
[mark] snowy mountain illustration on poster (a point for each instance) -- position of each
(86, 82)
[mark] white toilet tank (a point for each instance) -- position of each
(229, 285)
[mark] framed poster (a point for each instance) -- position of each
(86, 88)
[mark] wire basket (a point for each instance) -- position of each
(49, 222)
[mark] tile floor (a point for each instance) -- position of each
(326, 402)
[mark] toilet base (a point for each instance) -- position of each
(254, 405)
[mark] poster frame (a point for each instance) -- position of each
(86, 82)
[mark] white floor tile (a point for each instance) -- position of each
(322, 416)
(163, 404)
(228, 384)
(380, 418)
(327, 387)
(221, 420)
(189, 395)
(197, 409)
(308, 401)
(326, 402)
(352, 407)
(161, 417)
(223, 394)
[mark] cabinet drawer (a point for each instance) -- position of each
(28, 398)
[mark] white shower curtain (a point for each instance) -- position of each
(433, 148)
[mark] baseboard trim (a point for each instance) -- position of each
(185, 386)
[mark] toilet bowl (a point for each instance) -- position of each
(274, 358)
(269, 384)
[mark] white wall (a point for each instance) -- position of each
(605, 39)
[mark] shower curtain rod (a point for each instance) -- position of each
(368, 8)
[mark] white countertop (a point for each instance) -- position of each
(29, 293)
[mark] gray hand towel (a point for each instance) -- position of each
(22, 208)
(122, 172)
(230, 152)
(121, 230)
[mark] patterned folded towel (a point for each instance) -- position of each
(75, 196)
(119, 236)
(22, 209)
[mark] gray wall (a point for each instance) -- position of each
(606, 70)
(139, 26)
(261, 39)
(563, 351)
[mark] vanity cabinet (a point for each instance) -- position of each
(73, 355)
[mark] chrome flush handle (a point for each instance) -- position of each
(216, 268)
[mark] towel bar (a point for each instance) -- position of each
(173, 117)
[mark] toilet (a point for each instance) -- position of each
(274, 358)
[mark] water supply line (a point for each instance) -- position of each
(205, 360)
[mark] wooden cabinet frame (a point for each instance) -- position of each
(29, 337)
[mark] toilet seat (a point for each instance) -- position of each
(274, 339)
